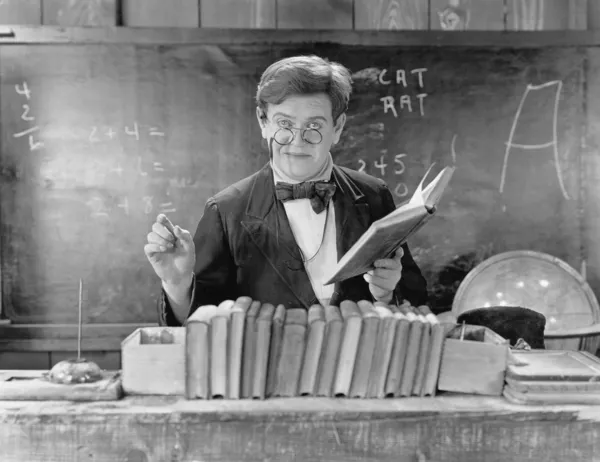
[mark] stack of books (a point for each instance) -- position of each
(553, 377)
(245, 349)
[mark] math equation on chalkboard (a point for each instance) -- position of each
(123, 161)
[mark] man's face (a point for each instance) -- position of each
(301, 160)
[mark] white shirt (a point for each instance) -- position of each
(308, 228)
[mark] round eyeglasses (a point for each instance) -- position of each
(285, 136)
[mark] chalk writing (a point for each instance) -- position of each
(404, 102)
(93, 138)
(98, 207)
(101, 207)
(124, 205)
(381, 165)
(118, 170)
(164, 207)
(26, 115)
(99, 134)
(400, 190)
(23, 90)
(133, 131)
(553, 143)
(149, 204)
(400, 78)
(26, 132)
(140, 170)
(148, 207)
(401, 167)
(56, 173)
(453, 149)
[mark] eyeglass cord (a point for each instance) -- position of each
(277, 204)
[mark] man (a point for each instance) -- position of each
(275, 235)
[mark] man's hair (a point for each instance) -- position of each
(305, 75)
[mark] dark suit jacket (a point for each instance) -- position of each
(245, 246)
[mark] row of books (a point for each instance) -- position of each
(245, 349)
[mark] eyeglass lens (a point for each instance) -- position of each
(286, 136)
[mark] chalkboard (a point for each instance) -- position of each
(97, 139)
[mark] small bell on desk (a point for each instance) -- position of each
(76, 370)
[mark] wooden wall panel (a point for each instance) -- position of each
(315, 14)
(593, 15)
(391, 14)
(109, 360)
(161, 13)
(466, 14)
(20, 360)
(537, 14)
(578, 13)
(238, 13)
(79, 12)
(21, 12)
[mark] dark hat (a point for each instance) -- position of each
(511, 322)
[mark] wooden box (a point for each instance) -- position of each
(153, 361)
(474, 365)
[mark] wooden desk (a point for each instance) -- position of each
(164, 429)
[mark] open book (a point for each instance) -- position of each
(385, 235)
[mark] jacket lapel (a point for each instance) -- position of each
(269, 229)
(352, 219)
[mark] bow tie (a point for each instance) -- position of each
(319, 193)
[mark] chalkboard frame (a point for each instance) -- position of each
(107, 337)
(19, 35)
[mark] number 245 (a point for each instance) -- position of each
(401, 167)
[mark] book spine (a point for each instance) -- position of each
(197, 360)
(347, 357)
(218, 357)
(249, 350)
(435, 356)
(422, 357)
(235, 346)
(398, 358)
(329, 358)
(275, 349)
(262, 342)
(312, 356)
(382, 355)
(292, 353)
(236, 339)
(364, 357)
(412, 358)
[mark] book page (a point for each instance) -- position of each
(434, 190)
(416, 202)
(428, 197)
(418, 197)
